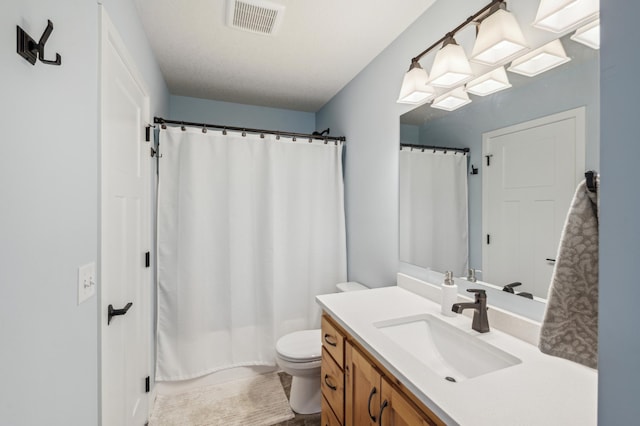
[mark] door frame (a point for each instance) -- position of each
(109, 34)
(578, 114)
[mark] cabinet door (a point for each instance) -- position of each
(362, 389)
(396, 410)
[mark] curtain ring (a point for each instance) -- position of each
(261, 135)
(294, 139)
(244, 133)
(184, 129)
(224, 131)
(310, 140)
(204, 128)
(277, 136)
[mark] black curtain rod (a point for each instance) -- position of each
(434, 148)
(162, 121)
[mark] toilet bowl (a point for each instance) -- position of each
(299, 354)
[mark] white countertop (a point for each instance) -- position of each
(542, 390)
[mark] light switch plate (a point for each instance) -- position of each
(86, 281)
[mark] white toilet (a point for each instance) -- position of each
(299, 354)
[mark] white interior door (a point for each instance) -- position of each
(124, 236)
(532, 172)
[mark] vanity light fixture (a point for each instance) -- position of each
(489, 83)
(415, 89)
(559, 16)
(540, 60)
(451, 66)
(452, 100)
(499, 38)
(589, 35)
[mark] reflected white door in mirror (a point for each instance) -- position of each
(530, 174)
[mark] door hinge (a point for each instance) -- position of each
(489, 159)
(147, 133)
(147, 384)
(488, 239)
(147, 259)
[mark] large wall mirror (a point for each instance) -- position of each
(569, 95)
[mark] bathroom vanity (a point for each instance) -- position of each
(389, 357)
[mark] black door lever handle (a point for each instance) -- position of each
(115, 312)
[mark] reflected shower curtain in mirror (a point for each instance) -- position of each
(250, 230)
(433, 210)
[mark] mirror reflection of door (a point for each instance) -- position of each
(530, 174)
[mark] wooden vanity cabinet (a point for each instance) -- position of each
(362, 390)
(368, 390)
(397, 410)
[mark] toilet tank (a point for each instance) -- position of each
(350, 286)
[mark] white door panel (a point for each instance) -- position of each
(527, 190)
(124, 236)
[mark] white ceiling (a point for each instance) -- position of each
(319, 48)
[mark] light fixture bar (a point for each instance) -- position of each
(451, 33)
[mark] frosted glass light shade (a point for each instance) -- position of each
(489, 83)
(589, 35)
(415, 89)
(540, 60)
(561, 15)
(452, 100)
(499, 39)
(450, 66)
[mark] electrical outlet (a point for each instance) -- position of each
(86, 281)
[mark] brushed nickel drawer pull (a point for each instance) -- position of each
(329, 342)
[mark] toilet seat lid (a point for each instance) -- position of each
(300, 346)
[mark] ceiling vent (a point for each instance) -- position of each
(256, 16)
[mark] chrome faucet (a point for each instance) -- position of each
(480, 319)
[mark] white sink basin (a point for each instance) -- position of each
(452, 353)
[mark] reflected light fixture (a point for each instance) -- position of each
(589, 35)
(452, 100)
(415, 89)
(499, 38)
(489, 83)
(559, 16)
(540, 60)
(451, 66)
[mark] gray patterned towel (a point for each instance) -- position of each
(570, 326)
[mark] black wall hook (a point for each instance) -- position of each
(32, 51)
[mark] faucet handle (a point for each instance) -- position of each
(480, 293)
(509, 287)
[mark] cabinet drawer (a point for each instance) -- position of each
(333, 341)
(332, 384)
(328, 417)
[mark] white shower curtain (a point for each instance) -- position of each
(250, 230)
(433, 210)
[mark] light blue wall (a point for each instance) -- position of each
(231, 114)
(573, 85)
(49, 209)
(409, 134)
(619, 319)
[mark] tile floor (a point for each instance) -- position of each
(299, 419)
